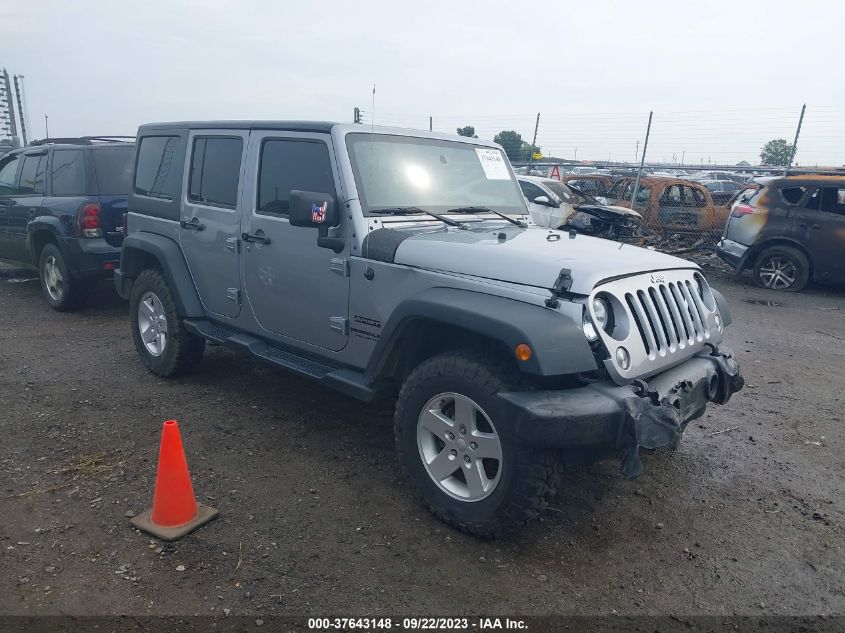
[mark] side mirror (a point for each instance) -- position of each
(311, 209)
(544, 200)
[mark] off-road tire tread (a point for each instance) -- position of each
(187, 349)
(538, 471)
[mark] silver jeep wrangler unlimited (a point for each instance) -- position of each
(398, 263)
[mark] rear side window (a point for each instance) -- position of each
(292, 164)
(828, 199)
(156, 174)
(215, 171)
(7, 176)
(793, 195)
(113, 167)
(32, 175)
(68, 172)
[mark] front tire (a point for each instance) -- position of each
(453, 438)
(163, 343)
(61, 291)
(782, 268)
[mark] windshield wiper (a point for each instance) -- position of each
(504, 216)
(416, 211)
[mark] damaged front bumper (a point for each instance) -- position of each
(645, 414)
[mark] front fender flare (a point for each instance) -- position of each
(555, 336)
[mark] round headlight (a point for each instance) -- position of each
(601, 311)
(588, 327)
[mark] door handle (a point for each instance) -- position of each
(257, 237)
(194, 225)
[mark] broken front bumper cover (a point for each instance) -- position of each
(645, 414)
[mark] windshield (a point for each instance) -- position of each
(563, 192)
(403, 171)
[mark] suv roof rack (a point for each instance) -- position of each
(83, 140)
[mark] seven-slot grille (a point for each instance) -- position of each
(669, 316)
(659, 319)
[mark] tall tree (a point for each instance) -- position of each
(467, 130)
(512, 143)
(776, 152)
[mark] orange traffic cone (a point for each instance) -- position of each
(175, 510)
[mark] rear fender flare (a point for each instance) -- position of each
(139, 248)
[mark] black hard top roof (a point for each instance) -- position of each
(290, 126)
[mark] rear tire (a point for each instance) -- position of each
(61, 291)
(163, 343)
(456, 479)
(782, 268)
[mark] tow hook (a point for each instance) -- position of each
(729, 379)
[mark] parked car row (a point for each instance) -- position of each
(62, 206)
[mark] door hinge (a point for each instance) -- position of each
(339, 324)
(233, 244)
(340, 265)
(233, 294)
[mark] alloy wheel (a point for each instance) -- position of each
(459, 447)
(53, 279)
(778, 272)
(152, 323)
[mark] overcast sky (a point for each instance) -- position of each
(721, 77)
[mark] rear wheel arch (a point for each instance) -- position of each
(765, 245)
(145, 251)
(38, 240)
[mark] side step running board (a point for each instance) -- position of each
(345, 380)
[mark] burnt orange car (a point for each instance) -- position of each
(671, 204)
(593, 184)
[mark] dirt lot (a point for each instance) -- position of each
(316, 517)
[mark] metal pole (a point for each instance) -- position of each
(46, 128)
(18, 79)
(642, 162)
(795, 142)
(533, 143)
(430, 123)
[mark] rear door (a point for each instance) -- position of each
(295, 288)
(26, 203)
(8, 182)
(210, 220)
(822, 225)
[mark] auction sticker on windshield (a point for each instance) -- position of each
(493, 164)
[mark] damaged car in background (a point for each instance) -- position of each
(557, 205)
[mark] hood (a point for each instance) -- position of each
(608, 211)
(532, 256)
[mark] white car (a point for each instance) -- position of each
(554, 204)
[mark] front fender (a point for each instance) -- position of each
(555, 336)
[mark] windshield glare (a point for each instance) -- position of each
(402, 171)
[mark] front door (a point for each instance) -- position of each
(822, 225)
(8, 184)
(210, 220)
(295, 288)
(27, 201)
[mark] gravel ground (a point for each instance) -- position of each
(316, 517)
